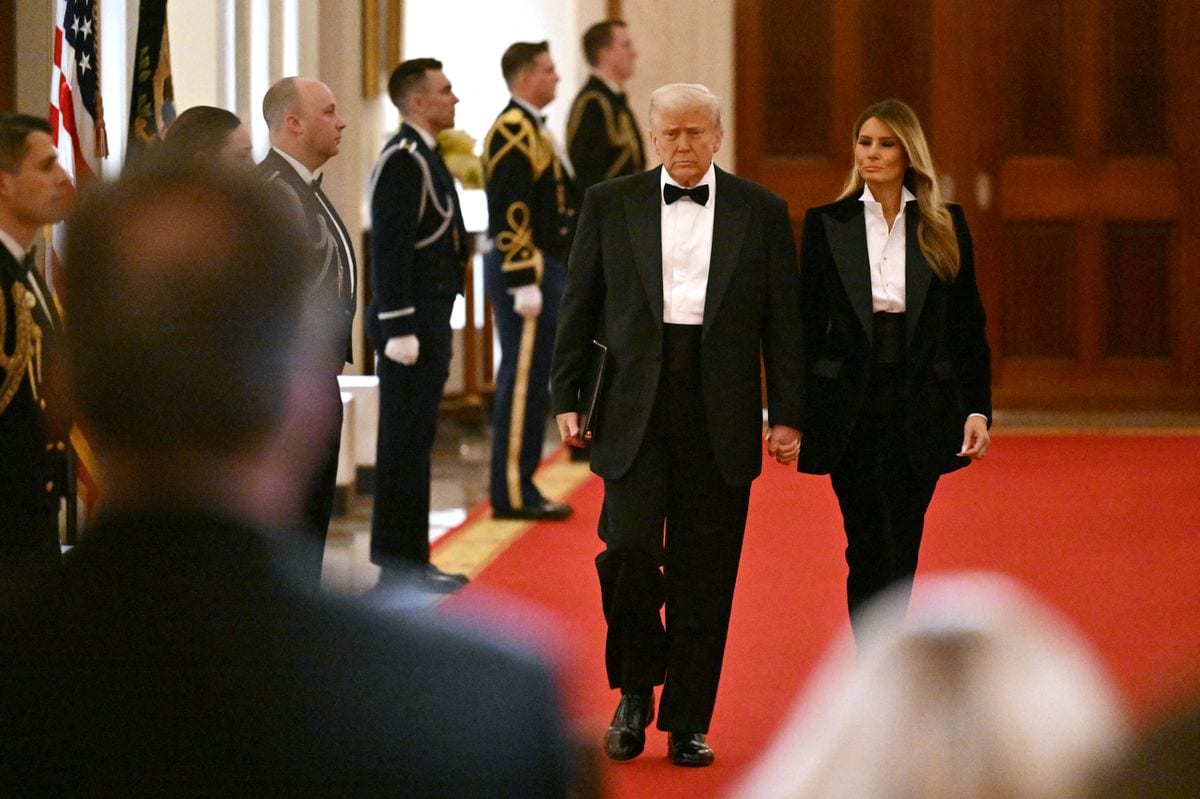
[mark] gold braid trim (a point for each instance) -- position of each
(518, 135)
(16, 365)
(517, 243)
(618, 129)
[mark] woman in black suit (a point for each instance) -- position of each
(899, 375)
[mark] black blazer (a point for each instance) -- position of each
(948, 362)
(614, 292)
(178, 657)
(331, 265)
(419, 243)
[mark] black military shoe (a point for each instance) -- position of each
(688, 749)
(626, 737)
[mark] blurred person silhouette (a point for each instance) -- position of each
(212, 134)
(1164, 763)
(983, 692)
(180, 653)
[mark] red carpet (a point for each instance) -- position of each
(1105, 528)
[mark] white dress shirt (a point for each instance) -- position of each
(687, 234)
(886, 252)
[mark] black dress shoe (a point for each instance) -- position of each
(688, 749)
(441, 582)
(626, 737)
(544, 511)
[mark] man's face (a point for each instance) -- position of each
(39, 192)
(619, 54)
(320, 125)
(540, 80)
(685, 141)
(437, 101)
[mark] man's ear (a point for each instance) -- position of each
(293, 125)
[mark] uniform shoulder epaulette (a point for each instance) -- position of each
(581, 102)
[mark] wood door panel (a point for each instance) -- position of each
(1068, 129)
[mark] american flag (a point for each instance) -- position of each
(76, 110)
(77, 126)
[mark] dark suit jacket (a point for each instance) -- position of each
(33, 437)
(175, 657)
(603, 139)
(615, 293)
(947, 367)
(331, 265)
(419, 243)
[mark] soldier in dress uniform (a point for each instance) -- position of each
(531, 213)
(603, 139)
(419, 250)
(34, 425)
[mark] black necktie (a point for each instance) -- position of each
(699, 194)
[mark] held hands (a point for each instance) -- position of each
(403, 349)
(527, 301)
(783, 443)
(975, 438)
(568, 428)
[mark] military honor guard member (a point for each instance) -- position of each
(688, 275)
(419, 250)
(531, 216)
(603, 139)
(306, 131)
(34, 425)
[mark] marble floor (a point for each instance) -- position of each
(461, 454)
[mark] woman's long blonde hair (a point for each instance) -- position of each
(935, 233)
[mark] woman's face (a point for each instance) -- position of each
(237, 152)
(879, 155)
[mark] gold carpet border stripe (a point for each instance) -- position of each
(471, 549)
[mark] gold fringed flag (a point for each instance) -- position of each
(152, 105)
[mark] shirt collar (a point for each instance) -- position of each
(18, 252)
(430, 140)
(537, 112)
(301, 169)
(614, 88)
(709, 178)
(906, 196)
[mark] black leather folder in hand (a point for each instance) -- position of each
(589, 398)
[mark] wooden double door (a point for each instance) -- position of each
(1070, 132)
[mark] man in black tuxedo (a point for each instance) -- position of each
(177, 654)
(34, 424)
(603, 139)
(419, 250)
(687, 274)
(306, 131)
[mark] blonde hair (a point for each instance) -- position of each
(676, 97)
(935, 232)
(984, 692)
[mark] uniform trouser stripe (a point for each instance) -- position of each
(516, 425)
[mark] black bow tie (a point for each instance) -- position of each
(316, 182)
(699, 194)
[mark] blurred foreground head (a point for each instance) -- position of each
(983, 692)
(189, 324)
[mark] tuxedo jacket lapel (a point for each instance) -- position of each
(917, 274)
(847, 236)
(729, 229)
(643, 216)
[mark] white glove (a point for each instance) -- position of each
(402, 349)
(527, 301)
